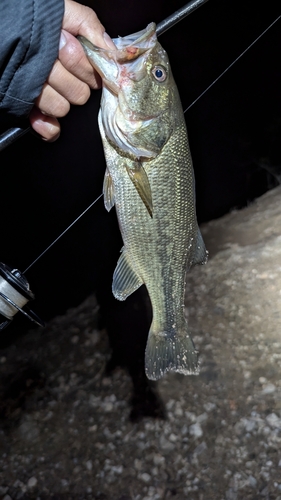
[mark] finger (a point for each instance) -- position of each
(67, 85)
(74, 59)
(46, 126)
(81, 20)
(50, 102)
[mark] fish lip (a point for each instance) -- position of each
(136, 39)
(104, 62)
(86, 43)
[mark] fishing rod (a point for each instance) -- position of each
(12, 281)
(177, 16)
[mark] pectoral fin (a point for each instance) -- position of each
(125, 280)
(108, 191)
(140, 180)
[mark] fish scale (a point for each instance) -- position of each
(151, 182)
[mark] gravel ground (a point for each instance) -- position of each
(65, 431)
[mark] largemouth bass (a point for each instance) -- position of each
(149, 179)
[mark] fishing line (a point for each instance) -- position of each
(72, 223)
(237, 59)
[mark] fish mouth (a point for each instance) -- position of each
(109, 63)
(119, 68)
(103, 61)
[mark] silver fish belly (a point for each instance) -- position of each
(150, 181)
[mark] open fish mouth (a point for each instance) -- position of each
(120, 70)
(111, 64)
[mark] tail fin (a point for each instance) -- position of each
(165, 353)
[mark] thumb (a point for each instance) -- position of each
(81, 20)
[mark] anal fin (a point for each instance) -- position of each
(125, 280)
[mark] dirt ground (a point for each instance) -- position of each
(65, 431)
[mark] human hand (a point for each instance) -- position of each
(72, 75)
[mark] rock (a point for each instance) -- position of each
(173, 438)
(196, 430)
(264, 492)
(138, 464)
(166, 445)
(160, 460)
(28, 429)
(31, 483)
(89, 465)
(273, 420)
(209, 406)
(200, 448)
(116, 469)
(252, 481)
(145, 477)
(231, 494)
(74, 339)
(269, 389)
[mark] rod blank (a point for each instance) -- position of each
(11, 135)
(178, 15)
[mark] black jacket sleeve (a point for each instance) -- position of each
(30, 32)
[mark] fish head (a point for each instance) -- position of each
(140, 100)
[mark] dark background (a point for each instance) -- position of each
(233, 129)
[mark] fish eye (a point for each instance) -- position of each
(159, 73)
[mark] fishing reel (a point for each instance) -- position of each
(15, 293)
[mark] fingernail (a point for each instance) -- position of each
(108, 41)
(62, 40)
(42, 128)
(52, 131)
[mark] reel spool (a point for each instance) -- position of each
(14, 295)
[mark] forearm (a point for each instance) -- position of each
(30, 33)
